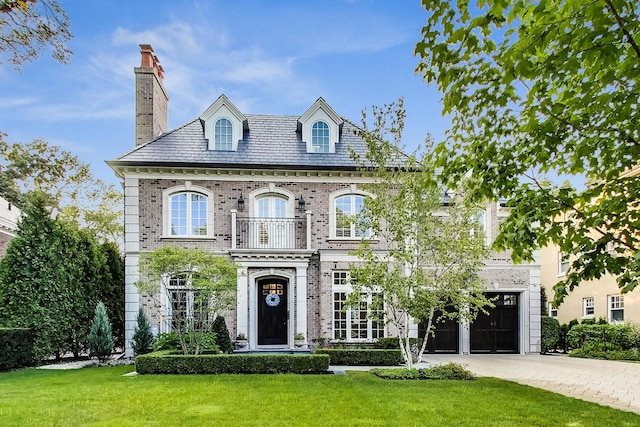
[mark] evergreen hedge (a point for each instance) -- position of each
(164, 362)
(355, 357)
(550, 333)
(16, 348)
(613, 337)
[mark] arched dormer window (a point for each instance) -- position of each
(320, 137)
(223, 135)
(188, 212)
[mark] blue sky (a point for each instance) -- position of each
(268, 57)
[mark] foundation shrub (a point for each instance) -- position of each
(612, 337)
(355, 357)
(550, 333)
(449, 371)
(166, 362)
(16, 348)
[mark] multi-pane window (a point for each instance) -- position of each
(223, 135)
(186, 304)
(346, 207)
(553, 312)
(588, 307)
(563, 263)
(359, 322)
(616, 308)
(320, 137)
(188, 214)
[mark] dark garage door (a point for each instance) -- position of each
(447, 336)
(498, 331)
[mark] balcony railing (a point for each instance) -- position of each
(271, 233)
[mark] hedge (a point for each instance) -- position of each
(550, 333)
(612, 337)
(352, 357)
(164, 362)
(16, 348)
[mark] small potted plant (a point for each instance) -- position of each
(298, 339)
(241, 341)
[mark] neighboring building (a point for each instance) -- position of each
(593, 299)
(269, 192)
(9, 216)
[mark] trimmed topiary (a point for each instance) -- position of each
(223, 340)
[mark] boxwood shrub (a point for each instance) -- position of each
(167, 362)
(354, 357)
(16, 348)
(448, 371)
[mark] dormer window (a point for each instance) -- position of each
(320, 128)
(224, 125)
(223, 135)
(320, 137)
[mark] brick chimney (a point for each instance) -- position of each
(151, 98)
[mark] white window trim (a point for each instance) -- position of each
(314, 147)
(332, 213)
(166, 210)
(610, 309)
(348, 289)
(272, 190)
(553, 312)
(234, 140)
(222, 108)
(320, 111)
(585, 306)
(561, 270)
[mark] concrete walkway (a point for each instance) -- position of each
(610, 383)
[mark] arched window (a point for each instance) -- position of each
(223, 135)
(320, 137)
(345, 208)
(188, 214)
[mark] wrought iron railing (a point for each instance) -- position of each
(271, 233)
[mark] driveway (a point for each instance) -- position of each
(610, 383)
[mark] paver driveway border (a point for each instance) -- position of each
(607, 382)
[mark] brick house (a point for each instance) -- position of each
(268, 191)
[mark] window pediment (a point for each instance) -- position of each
(320, 126)
(224, 125)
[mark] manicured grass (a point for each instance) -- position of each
(102, 396)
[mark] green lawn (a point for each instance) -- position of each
(102, 396)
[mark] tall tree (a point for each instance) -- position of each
(111, 290)
(29, 26)
(68, 183)
(197, 284)
(537, 90)
(427, 264)
(33, 290)
(52, 277)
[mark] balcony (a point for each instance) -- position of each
(271, 233)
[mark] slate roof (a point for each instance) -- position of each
(271, 143)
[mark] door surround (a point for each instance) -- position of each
(255, 299)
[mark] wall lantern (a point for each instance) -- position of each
(240, 203)
(301, 203)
